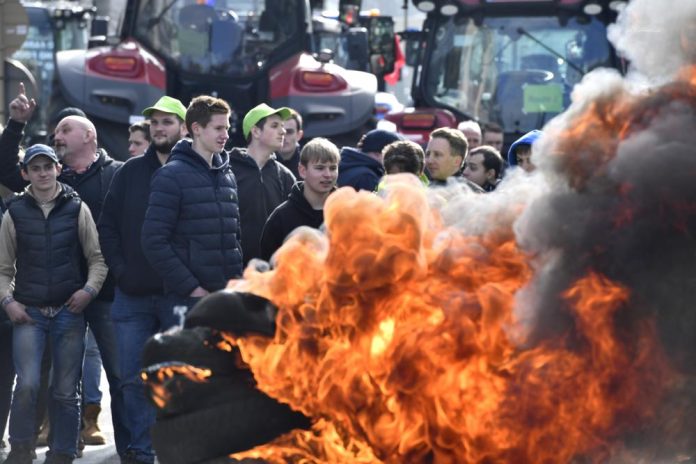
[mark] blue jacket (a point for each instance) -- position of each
(358, 170)
(191, 230)
(527, 139)
(121, 223)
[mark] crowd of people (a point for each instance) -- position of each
(99, 255)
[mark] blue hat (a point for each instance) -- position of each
(377, 139)
(39, 150)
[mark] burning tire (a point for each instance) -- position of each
(207, 402)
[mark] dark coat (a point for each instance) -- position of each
(260, 192)
(291, 214)
(50, 263)
(358, 170)
(293, 163)
(121, 222)
(92, 185)
(191, 230)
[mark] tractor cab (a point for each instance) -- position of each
(513, 63)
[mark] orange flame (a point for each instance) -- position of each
(157, 381)
(399, 335)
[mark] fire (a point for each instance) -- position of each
(162, 379)
(399, 336)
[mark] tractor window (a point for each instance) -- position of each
(38, 50)
(515, 72)
(232, 37)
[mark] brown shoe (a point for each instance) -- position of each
(91, 433)
(42, 437)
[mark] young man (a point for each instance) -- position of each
(89, 170)
(520, 152)
(138, 138)
(305, 206)
(404, 156)
(483, 166)
(191, 232)
(289, 154)
(263, 182)
(44, 237)
(362, 167)
(493, 136)
(444, 156)
(140, 308)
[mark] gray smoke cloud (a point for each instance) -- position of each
(616, 196)
(623, 206)
(657, 36)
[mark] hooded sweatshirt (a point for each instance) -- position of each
(291, 214)
(260, 192)
(527, 139)
(358, 170)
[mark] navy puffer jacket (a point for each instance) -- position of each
(358, 170)
(191, 229)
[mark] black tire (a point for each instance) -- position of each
(246, 421)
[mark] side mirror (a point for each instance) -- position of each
(411, 41)
(357, 47)
(100, 26)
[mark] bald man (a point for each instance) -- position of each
(89, 170)
(75, 142)
(472, 132)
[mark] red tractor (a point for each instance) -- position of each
(510, 62)
(246, 52)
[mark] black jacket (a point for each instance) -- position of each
(190, 234)
(50, 263)
(260, 192)
(291, 214)
(358, 170)
(121, 222)
(92, 186)
(293, 163)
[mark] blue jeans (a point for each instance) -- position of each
(66, 332)
(136, 319)
(91, 371)
(98, 318)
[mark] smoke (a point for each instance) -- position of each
(622, 200)
(657, 37)
(478, 215)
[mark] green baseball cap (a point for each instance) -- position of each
(259, 112)
(167, 105)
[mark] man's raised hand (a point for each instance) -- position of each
(22, 107)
